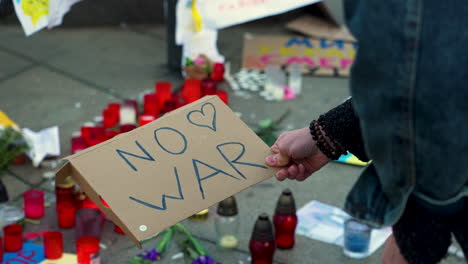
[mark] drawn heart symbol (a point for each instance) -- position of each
(205, 117)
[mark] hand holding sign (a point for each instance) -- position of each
(161, 173)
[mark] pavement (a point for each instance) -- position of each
(65, 77)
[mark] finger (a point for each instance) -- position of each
(293, 170)
(275, 148)
(282, 159)
(301, 172)
(282, 174)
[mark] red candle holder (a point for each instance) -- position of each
(208, 87)
(115, 108)
(110, 118)
(33, 204)
(150, 105)
(217, 73)
(145, 119)
(20, 160)
(78, 143)
(118, 230)
(86, 130)
(191, 91)
(13, 238)
(66, 215)
(1, 250)
(86, 249)
(127, 127)
(53, 245)
(110, 133)
(88, 222)
(223, 96)
(163, 91)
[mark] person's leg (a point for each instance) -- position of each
(422, 237)
(460, 229)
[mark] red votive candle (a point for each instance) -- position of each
(20, 160)
(208, 87)
(145, 119)
(86, 130)
(66, 215)
(163, 91)
(114, 107)
(78, 143)
(13, 238)
(110, 133)
(191, 91)
(88, 222)
(150, 105)
(118, 230)
(127, 127)
(1, 250)
(217, 73)
(110, 118)
(33, 204)
(223, 96)
(53, 245)
(86, 248)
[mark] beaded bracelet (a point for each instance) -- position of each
(321, 142)
(335, 144)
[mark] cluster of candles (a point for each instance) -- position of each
(266, 237)
(72, 212)
(123, 117)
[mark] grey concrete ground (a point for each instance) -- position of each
(65, 77)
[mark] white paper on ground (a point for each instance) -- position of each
(43, 143)
(325, 223)
(57, 10)
(33, 14)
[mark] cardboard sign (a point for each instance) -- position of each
(320, 28)
(321, 57)
(163, 172)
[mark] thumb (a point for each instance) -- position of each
(278, 160)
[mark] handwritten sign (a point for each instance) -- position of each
(217, 14)
(164, 172)
(30, 254)
(319, 57)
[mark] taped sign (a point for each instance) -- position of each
(165, 171)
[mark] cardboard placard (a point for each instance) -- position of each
(161, 173)
(320, 57)
(320, 28)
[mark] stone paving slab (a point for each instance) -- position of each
(11, 65)
(14, 186)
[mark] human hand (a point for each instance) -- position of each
(297, 152)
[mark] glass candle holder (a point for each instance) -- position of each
(163, 91)
(223, 96)
(66, 215)
(356, 239)
(217, 73)
(13, 237)
(34, 204)
(118, 230)
(1, 250)
(191, 91)
(145, 119)
(53, 245)
(208, 87)
(127, 127)
(150, 105)
(78, 143)
(88, 222)
(87, 249)
(110, 118)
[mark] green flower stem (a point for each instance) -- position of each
(200, 250)
(162, 246)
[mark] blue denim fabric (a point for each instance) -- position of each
(410, 91)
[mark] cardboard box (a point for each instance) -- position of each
(163, 172)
